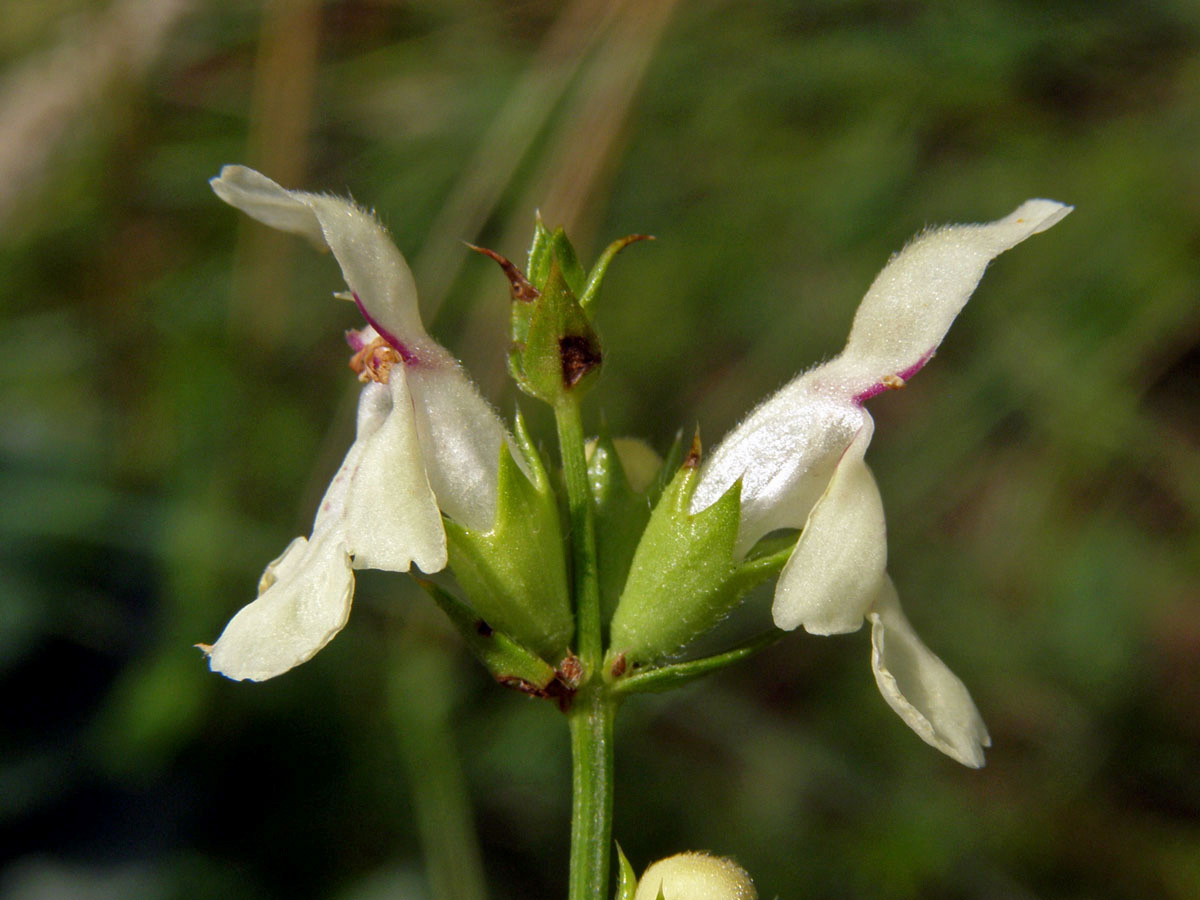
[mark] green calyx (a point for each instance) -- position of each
(626, 877)
(561, 352)
(553, 245)
(685, 576)
(514, 575)
(555, 351)
(509, 662)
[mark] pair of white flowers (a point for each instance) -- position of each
(427, 444)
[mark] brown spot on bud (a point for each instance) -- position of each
(522, 291)
(894, 382)
(482, 628)
(618, 666)
(578, 356)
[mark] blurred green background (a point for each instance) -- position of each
(175, 397)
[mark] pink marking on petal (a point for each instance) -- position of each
(410, 358)
(904, 375)
(870, 392)
(355, 339)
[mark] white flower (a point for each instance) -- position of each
(800, 459)
(426, 443)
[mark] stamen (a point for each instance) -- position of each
(374, 361)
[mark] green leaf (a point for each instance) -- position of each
(684, 578)
(626, 877)
(508, 661)
(669, 677)
(515, 575)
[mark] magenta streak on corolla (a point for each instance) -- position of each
(410, 358)
(903, 375)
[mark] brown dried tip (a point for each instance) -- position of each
(692, 460)
(520, 684)
(634, 238)
(522, 291)
(578, 357)
(618, 666)
(895, 382)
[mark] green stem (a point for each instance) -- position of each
(583, 535)
(591, 720)
(592, 709)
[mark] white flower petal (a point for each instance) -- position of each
(378, 512)
(305, 603)
(460, 438)
(390, 516)
(923, 691)
(835, 571)
(374, 269)
(258, 196)
(281, 565)
(912, 302)
(785, 452)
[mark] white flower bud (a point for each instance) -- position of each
(695, 876)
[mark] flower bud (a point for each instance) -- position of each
(554, 351)
(695, 876)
